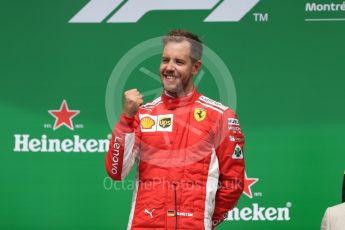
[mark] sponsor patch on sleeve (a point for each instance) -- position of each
(237, 154)
(235, 129)
(236, 139)
(233, 121)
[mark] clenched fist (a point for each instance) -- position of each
(132, 100)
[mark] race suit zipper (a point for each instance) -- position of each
(175, 201)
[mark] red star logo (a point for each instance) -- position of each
(63, 116)
(248, 182)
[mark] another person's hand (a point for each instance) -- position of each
(132, 100)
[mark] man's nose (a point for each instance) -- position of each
(171, 66)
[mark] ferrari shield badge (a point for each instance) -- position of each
(199, 114)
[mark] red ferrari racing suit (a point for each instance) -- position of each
(190, 162)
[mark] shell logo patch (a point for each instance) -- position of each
(147, 123)
(199, 114)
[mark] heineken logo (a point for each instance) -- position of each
(45, 143)
(25, 143)
(257, 213)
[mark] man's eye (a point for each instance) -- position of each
(165, 60)
(179, 62)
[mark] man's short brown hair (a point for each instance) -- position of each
(179, 35)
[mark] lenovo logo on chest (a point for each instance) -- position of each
(131, 11)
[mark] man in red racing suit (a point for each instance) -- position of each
(189, 150)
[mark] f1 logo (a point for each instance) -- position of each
(131, 11)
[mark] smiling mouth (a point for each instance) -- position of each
(170, 77)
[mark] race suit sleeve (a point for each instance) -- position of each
(123, 148)
(229, 150)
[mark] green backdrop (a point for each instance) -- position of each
(287, 83)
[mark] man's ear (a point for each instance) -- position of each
(196, 67)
